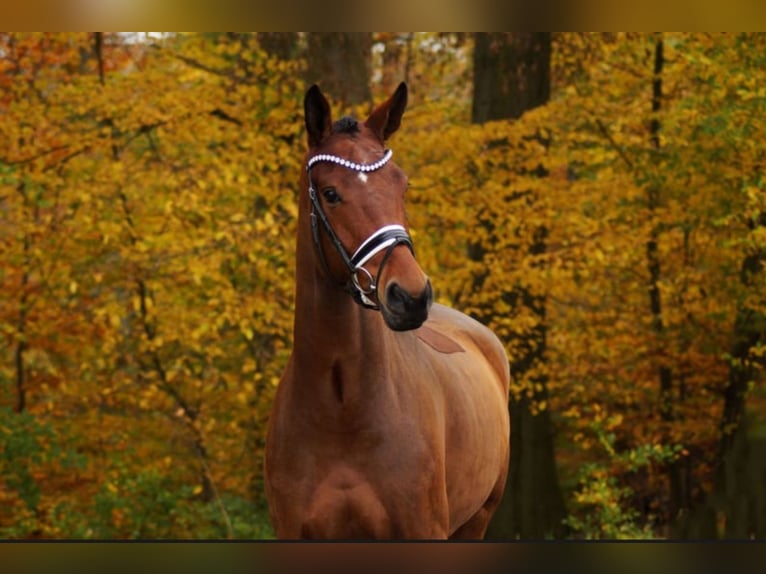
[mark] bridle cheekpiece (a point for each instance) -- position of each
(385, 238)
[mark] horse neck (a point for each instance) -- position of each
(329, 327)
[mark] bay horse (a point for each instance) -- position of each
(391, 418)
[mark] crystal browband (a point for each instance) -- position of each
(363, 167)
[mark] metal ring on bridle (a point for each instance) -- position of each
(371, 280)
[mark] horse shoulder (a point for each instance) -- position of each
(470, 333)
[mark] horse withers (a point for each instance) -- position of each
(391, 418)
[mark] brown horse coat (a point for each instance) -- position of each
(385, 424)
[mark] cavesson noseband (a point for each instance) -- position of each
(385, 238)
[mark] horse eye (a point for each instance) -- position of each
(331, 195)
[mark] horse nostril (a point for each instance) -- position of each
(401, 302)
(396, 298)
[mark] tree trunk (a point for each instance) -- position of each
(511, 76)
(396, 50)
(21, 330)
(283, 45)
(677, 471)
(738, 491)
(749, 332)
(340, 63)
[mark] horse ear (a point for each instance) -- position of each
(317, 115)
(386, 118)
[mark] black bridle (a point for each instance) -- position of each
(385, 238)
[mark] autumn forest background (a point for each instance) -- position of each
(599, 200)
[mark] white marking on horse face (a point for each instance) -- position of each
(362, 177)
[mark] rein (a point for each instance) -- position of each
(385, 238)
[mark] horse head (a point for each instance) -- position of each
(358, 218)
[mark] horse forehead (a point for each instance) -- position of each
(354, 147)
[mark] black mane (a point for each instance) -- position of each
(346, 125)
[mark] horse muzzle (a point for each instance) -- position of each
(403, 310)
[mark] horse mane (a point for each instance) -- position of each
(346, 125)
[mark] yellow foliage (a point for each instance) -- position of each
(147, 223)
